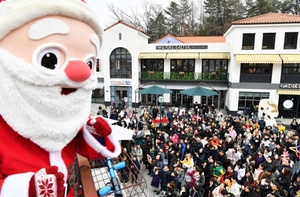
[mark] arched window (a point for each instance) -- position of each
(120, 63)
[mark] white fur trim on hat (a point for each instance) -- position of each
(15, 13)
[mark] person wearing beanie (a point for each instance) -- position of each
(48, 55)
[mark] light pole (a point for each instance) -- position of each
(161, 100)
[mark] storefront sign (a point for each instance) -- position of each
(120, 83)
(290, 86)
(180, 47)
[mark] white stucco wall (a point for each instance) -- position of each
(131, 40)
(136, 42)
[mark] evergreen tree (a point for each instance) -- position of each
(157, 27)
(249, 8)
(186, 18)
(290, 7)
(173, 19)
(220, 13)
(264, 7)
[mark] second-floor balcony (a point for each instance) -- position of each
(151, 75)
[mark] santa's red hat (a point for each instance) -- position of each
(15, 13)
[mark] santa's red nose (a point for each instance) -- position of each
(78, 71)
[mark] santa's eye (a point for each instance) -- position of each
(49, 58)
(91, 62)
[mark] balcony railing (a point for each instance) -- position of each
(151, 75)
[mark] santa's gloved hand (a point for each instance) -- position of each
(47, 182)
(98, 126)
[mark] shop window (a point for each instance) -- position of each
(152, 65)
(214, 65)
(120, 63)
(182, 65)
(290, 73)
(268, 41)
(251, 99)
(248, 41)
(293, 69)
(290, 40)
(256, 73)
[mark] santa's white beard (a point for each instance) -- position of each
(32, 104)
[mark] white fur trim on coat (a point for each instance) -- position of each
(16, 185)
(102, 149)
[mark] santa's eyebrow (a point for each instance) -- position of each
(46, 27)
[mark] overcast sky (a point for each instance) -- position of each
(100, 7)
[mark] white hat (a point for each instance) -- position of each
(15, 13)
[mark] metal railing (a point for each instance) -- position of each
(150, 75)
(92, 175)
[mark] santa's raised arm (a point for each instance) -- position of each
(48, 51)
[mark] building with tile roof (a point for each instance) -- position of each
(256, 58)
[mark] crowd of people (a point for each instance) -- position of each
(202, 152)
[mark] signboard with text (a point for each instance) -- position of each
(289, 85)
(120, 83)
(180, 47)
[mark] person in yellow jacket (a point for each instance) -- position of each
(187, 162)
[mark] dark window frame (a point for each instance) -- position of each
(291, 69)
(156, 65)
(290, 40)
(215, 65)
(120, 63)
(247, 99)
(268, 42)
(248, 41)
(183, 65)
(290, 73)
(256, 73)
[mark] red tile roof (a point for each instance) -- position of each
(269, 18)
(202, 39)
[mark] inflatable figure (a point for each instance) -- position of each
(48, 51)
(268, 109)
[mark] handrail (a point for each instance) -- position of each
(86, 177)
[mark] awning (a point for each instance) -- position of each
(183, 56)
(152, 55)
(258, 59)
(214, 56)
(288, 92)
(290, 58)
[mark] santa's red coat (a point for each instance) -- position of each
(20, 155)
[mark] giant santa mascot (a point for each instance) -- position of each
(48, 51)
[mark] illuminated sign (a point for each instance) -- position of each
(180, 47)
